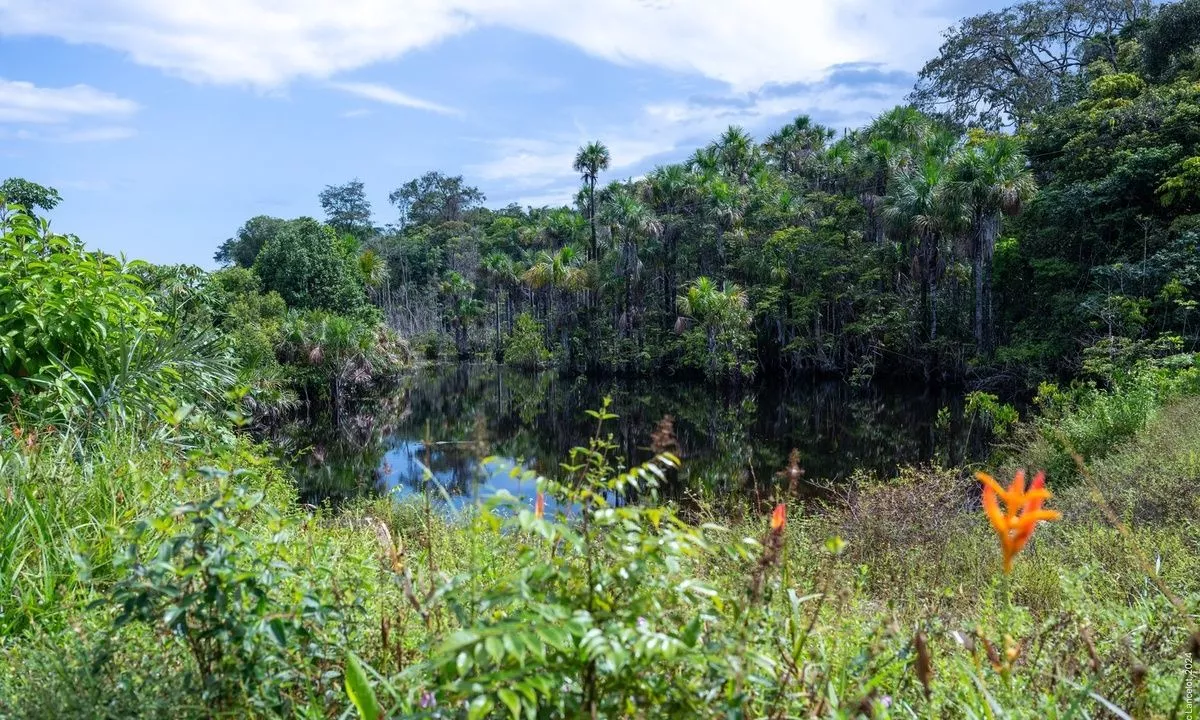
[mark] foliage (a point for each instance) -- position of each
(311, 268)
(1002, 67)
(81, 340)
(228, 594)
(715, 323)
(347, 209)
(524, 347)
(29, 195)
(242, 250)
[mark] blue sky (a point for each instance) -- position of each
(165, 125)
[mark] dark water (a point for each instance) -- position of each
(731, 440)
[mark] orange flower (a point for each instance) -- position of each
(539, 505)
(779, 518)
(1022, 511)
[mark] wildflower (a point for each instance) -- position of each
(1023, 511)
(428, 700)
(779, 518)
(539, 505)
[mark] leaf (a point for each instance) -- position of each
(358, 688)
(511, 701)
(479, 707)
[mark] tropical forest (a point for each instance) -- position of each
(890, 421)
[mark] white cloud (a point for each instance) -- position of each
(269, 42)
(391, 96)
(24, 102)
(533, 165)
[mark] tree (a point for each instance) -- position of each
(29, 195)
(918, 204)
(552, 271)
(460, 308)
(589, 162)
(435, 198)
(631, 221)
(998, 68)
(1172, 39)
(721, 315)
(311, 268)
(347, 209)
(796, 144)
(242, 249)
(991, 178)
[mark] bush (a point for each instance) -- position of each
(525, 347)
(311, 268)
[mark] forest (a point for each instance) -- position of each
(1024, 231)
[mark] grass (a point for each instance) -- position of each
(908, 615)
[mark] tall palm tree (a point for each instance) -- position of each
(501, 273)
(794, 145)
(590, 161)
(992, 179)
(631, 221)
(737, 153)
(919, 204)
(672, 191)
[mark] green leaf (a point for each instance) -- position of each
(358, 688)
(511, 701)
(479, 707)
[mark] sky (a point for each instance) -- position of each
(165, 125)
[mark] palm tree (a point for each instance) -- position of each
(795, 144)
(736, 153)
(630, 220)
(461, 308)
(672, 191)
(589, 162)
(991, 179)
(501, 273)
(714, 309)
(919, 204)
(552, 271)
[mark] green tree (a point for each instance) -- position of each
(435, 198)
(991, 178)
(631, 221)
(590, 161)
(999, 68)
(311, 268)
(29, 195)
(919, 205)
(347, 209)
(722, 317)
(242, 249)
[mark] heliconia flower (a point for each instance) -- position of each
(539, 505)
(1022, 511)
(779, 518)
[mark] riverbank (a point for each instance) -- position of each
(235, 600)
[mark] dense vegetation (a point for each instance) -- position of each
(1026, 223)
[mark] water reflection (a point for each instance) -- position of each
(731, 440)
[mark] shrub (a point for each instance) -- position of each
(251, 625)
(525, 347)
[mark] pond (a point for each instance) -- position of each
(731, 440)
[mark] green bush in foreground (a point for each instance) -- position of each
(160, 589)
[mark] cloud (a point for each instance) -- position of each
(267, 43)
(52, 134)
(24, 102)
(356, 113)
(391, 96)
(526, 163)
(538, 171)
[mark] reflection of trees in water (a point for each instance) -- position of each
(729, 438)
